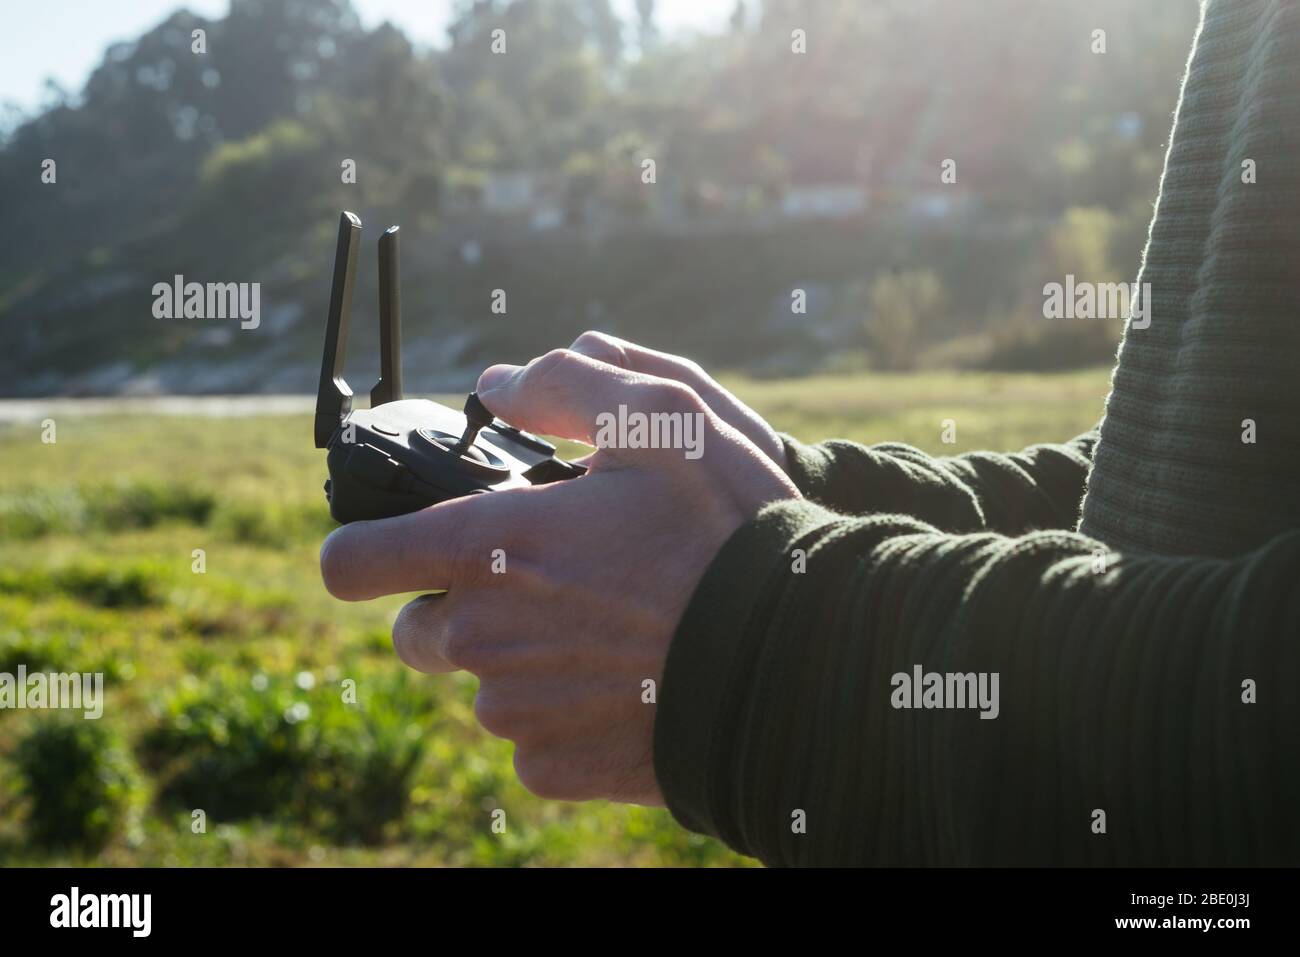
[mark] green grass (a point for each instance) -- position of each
(224, 689)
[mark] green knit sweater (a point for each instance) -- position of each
(1145, 636)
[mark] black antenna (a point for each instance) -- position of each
(333, 397)
(389, 386)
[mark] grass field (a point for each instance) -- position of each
(224, 688)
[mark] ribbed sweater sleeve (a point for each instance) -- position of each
(1039, 488)
(1122, 689)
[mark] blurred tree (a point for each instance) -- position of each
(903, 305)
(605, 29)
(737, 21)
(647, 32)
(1080, 245)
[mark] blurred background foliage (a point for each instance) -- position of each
(522, 171)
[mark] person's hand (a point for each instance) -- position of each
(635, 358)
(563, 598)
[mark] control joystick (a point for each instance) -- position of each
(401, 455)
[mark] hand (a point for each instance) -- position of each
(597, 572)
(630, 356)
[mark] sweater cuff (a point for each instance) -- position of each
(709, 655)
(807, 465)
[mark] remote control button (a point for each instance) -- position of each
(526, 439)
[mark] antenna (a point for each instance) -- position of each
(389, 386)
(333, 397)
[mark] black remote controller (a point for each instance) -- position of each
(402, 455)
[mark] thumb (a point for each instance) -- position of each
(495, 376)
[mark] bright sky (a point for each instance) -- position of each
(65, 39)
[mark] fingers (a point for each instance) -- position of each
(629, 355)
(420, 634)
(442, 546)
(568, 394)
(476, 631)
(635, 358)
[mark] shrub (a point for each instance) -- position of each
(36, 512)
(70, 509)
(79, 781)
(110, 585)
(146, 504)
(282, 747)
(1040, 345)
(228, 609)
(273, 524)
(102, 583)
(56, 651)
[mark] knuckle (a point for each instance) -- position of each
(492, 711)
(602, 346)
(406, 644)
(468, 645)
(692, 370)
(591, 339)
(546, 365)
(411, 632)
(460, 563)
(541, 775)
(553, 373)
(458, 645)
(665, 395)
(528, 576)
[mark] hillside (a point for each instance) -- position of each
(524, 172)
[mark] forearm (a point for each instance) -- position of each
(1118, 691)
(1038, 488)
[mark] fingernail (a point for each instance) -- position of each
(494, 377)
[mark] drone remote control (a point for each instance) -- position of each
(401, 455)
